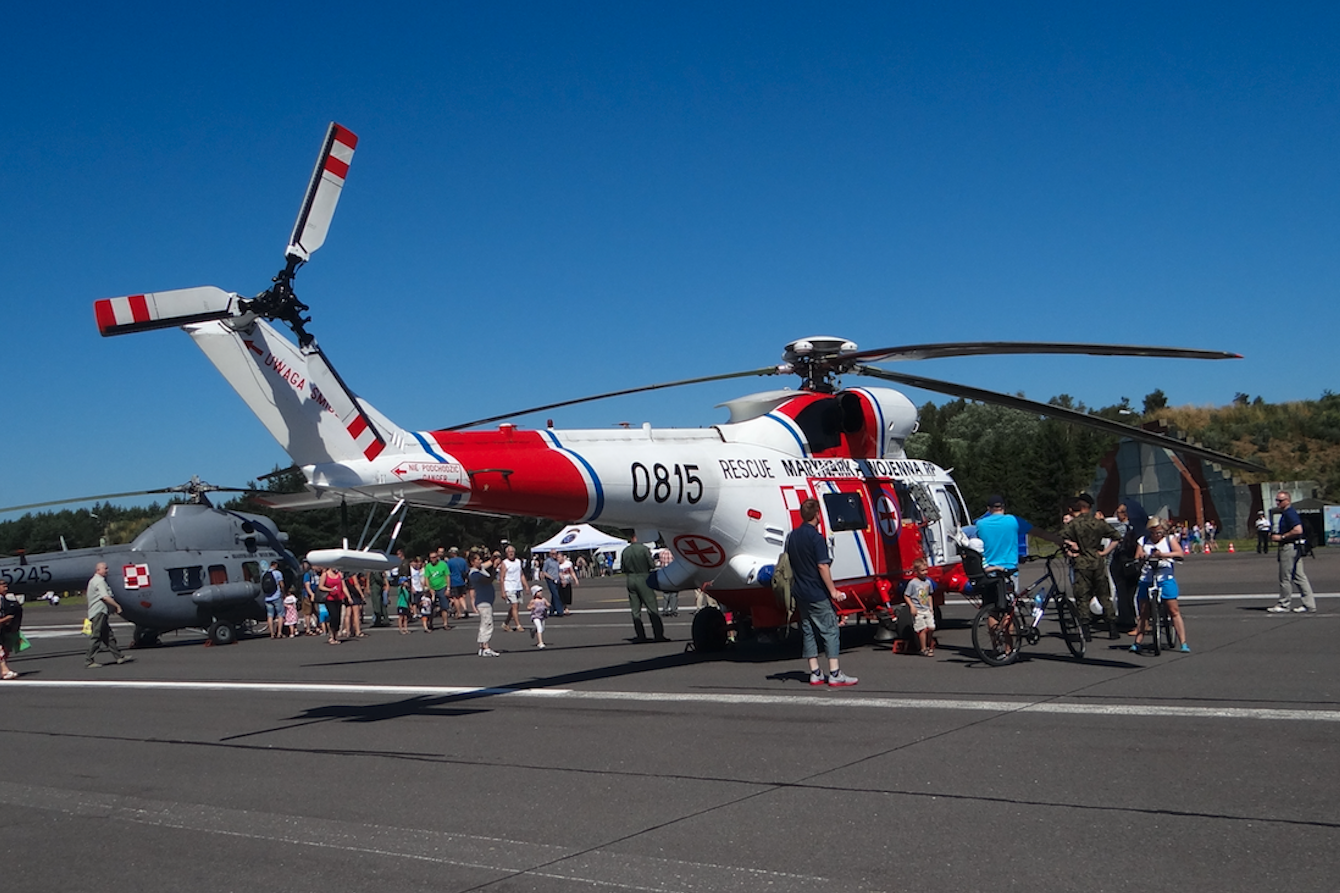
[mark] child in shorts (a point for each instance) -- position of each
(426, 610)
(539, 609)
(918, 598)
(402, 605)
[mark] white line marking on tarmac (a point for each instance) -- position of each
(822, 700)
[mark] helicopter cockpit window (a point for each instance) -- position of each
(906, 504)
(251, 571)
(846, 511)
(218, 575)
(821, 423)
(956, 503)
(185, 579)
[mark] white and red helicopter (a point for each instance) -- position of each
(721, 498)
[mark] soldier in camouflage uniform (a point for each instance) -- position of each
(1084, 537)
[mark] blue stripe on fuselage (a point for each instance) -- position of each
(595, 479)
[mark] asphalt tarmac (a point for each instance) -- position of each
(409, 763)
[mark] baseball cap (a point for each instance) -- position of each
(995, 499)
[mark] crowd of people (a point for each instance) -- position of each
(1114, 563)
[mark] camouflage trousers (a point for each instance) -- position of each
(1091, 581)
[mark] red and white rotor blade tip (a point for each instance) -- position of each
(323, 193)
(163, 310)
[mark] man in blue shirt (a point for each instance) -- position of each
(1291, 537)
(459, 568)
(812, 587)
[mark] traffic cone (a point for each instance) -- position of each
(1231, 550)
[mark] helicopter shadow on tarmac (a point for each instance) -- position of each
(752, 652)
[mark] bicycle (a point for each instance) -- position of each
(999, 634)
(1161, 626)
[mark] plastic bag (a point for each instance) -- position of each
(88, 627)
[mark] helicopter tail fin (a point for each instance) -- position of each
(297, 395)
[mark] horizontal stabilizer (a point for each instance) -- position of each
(162, 310)
(323, 193)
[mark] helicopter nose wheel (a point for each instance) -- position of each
(221, 632)
(709, 630)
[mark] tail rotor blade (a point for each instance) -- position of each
(162, 310)
(323, 193)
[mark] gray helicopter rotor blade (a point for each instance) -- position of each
(1058, 412)
(39, 505)
(181, 488)
(993, 348)
(766, 370)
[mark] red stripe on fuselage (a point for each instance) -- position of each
(541, 482)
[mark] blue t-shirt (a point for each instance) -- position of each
(1288, 520)
(999, 534)
(459, 568)
(807, 549)
(481, 583)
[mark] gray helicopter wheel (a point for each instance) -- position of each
(221, 632)
(144, 637)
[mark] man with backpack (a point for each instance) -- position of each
(1293, 548)
(272, 587)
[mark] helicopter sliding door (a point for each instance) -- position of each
(851, 527)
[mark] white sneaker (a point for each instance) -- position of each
(541, 645)
(1277, 609)
(488, 652)
(1303, 609)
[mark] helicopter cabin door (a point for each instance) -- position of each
(851, 525)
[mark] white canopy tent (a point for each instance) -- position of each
(580, 538)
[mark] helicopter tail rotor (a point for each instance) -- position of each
(323, 193)
(163, 310)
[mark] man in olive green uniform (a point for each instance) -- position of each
(1089, 540)
(636, 564)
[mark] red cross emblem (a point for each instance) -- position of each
(700, 551)
(887, 512)
(135, 576)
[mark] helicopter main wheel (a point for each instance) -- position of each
(709, 630)
(221, 632)
(143, 637)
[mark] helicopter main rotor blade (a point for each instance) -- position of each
(766, 370)
(323, 193)
(1058, 412)
(181, 488)
(993, 348)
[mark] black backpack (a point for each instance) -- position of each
(268, 584)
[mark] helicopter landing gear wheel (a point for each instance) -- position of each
(221, 632)
(143, 637)
(709, 630)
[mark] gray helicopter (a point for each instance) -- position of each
(198, 567)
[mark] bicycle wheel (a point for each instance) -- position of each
(992, 636)
(1070, 628)
(1156, 620)
(1166, 624)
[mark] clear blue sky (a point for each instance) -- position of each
(551, 200)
